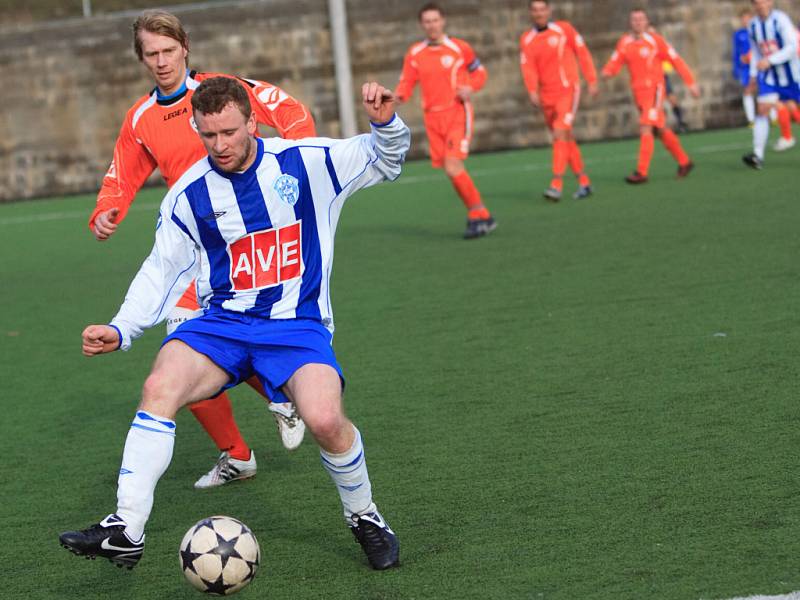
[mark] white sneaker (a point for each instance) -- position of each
(783, 144)
(227, 469)
(290, 425)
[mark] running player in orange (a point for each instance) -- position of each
(549, 57)
(158, 132)
(448, 73)
(642, 51)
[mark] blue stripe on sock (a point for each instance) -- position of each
(152, 429)
(350, 464)
(148, 417)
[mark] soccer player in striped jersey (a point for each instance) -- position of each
(643, 51)
(158, 132)
(549, 57)
(448, 72)
(774, 71)
(741, 63)
(255, 222)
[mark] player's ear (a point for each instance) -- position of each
(252, 124)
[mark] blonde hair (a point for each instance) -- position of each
(159, 22)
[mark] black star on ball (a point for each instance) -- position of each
(187, 559)
(225, 549)
(217, 587)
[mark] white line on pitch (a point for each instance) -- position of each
(790, 596)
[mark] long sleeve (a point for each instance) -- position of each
(584, 56)
(275, 108)
(367, 159)
(131, 166)
(162, 278)
(668, 53)
(408, 79)
(530, 74)
(788, 33)
(615, 63)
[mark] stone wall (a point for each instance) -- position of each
(67, 85)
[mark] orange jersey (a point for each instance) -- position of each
(161, 133)
(643, 57)
(440, 70)
(549, 59)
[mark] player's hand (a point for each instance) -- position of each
(594, 90)
(534, 98)
(763, 64)
(464, 93)
(378, 102)
(694, 90)
(105, 224)
(99, 339)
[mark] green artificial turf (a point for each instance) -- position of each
(599, 400)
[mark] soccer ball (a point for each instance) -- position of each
(219, 555)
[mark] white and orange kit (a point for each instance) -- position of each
(644, 55)
(159, 132)
(440, 69)
(550, 59)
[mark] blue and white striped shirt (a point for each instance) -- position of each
(775, 38)
(261, 241)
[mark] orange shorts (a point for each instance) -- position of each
(650, 102)
(449, 133)
(560, 109)
(189, 298)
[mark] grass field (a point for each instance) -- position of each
(597, 401)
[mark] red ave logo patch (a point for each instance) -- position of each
(266, 258)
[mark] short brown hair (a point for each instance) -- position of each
(429, 6)
(216, 93)
(160, 22)
(532, 2)
(745, 10)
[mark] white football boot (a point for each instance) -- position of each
(290, 425)
(227, 469)
(783, 144)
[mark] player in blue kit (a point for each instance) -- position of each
(254, 222)
(741, 63)
(774, 70)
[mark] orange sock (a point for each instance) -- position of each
(785, 122)
(561, 155)
(673, 146)
(576, 164)
(216, 417)
(646, 146)
(470, 196)
(796, 114)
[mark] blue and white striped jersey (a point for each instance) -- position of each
(775, 38)
(259, 242)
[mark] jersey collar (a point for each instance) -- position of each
(176, 95)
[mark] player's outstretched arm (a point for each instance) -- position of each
(99, 339)
(378, 101)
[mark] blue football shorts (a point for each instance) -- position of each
(772, 93)
(246, 345)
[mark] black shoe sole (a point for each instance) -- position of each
(89, 556)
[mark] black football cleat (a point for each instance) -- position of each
(479, 227)
(377, 539)
(684, 170)
(752, 161)
(106, 539)
(636, 178)
(582, 192)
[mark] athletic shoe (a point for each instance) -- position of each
(783, 144)
(751, 160)
(636, 178)
(227, 469)
(105, 539)
(377, 539)
(684, 170)
(479, 227)
(552, 194)
(290, 425)
(584, 191)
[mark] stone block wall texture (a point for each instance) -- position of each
(67, 85)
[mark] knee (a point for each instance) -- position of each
(453, 168)
(159, 393)
(327, 427)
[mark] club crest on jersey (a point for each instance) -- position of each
(288, 189)
(447, 61)
(553, 41)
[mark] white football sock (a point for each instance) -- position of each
(760, 135)
(749, 107)
(147, 454)
(349, 473)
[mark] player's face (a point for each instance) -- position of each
(639, 22)
(762, 7)
(165, 58)
(540, 13)
(432, 23)
(228, 137)
(745, 20)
